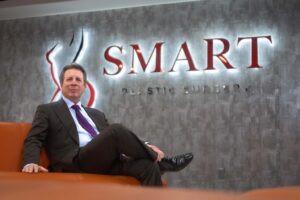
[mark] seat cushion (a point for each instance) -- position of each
(69, 177)
(12, 136)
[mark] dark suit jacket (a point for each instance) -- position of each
(54, 128)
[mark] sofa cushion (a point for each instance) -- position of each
(12, 136)
(69, 177)
(50, 190)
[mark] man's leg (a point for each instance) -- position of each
(99, 155)
(145, 170)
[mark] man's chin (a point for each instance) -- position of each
(74, 98)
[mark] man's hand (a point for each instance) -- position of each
(33, 168)
(160, 154)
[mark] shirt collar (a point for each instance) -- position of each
(70, 103)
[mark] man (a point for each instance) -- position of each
(79, 139)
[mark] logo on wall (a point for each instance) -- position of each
(114, 53)
(214, 57)
(50, 59)
(130, 59)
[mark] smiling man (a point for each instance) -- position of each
(79, 139)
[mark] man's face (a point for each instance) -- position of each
(73, 85)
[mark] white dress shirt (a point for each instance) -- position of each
(84, 136)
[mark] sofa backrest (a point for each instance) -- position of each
(12, 136)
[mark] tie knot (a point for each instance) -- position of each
(75, 107)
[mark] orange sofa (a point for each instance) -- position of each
(12, 136)
(15, 185)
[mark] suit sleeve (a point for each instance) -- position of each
(36, 137)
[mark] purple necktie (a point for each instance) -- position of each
(83, 121)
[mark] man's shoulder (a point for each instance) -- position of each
(93, 110)
(49, 105)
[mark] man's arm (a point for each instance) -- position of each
(34, 142)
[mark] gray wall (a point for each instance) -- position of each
(242, 137)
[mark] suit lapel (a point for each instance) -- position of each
(65, 117)
(93, 117)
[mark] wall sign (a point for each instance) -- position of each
(118, 64)
(113, 64)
